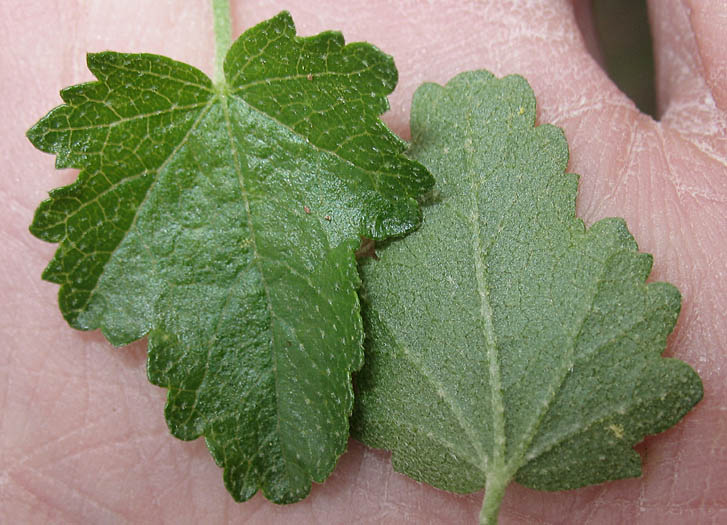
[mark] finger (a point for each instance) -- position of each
(688, 61)
(708, 19)
(583, 12)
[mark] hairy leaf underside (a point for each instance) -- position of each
(503, 339)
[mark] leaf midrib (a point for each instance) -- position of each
(488, 330)
(223, 96)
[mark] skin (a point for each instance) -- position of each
(82, 437)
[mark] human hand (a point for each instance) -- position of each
(82, 435)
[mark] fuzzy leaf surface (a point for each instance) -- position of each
(504, 340)
(221, 221)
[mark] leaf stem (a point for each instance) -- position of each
(223, 36)
(494, 492)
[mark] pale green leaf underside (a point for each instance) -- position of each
(505, 341)
(222, 222)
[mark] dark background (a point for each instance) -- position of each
(622, 29)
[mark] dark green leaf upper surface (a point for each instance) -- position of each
(222, 222)
(504, 340)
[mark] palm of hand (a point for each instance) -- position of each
(83, 438)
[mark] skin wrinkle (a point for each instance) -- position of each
(705, 148)
(367, 487)
(595, 507)
(67, 495)
(63, 444)
(630, 160)
(687, 194)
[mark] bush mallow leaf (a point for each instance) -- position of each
(504, 341)
(222, 220)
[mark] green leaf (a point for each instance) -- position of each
(222, 220)
(504, 340)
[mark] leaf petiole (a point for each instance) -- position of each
(494, 492)
(223, 36)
